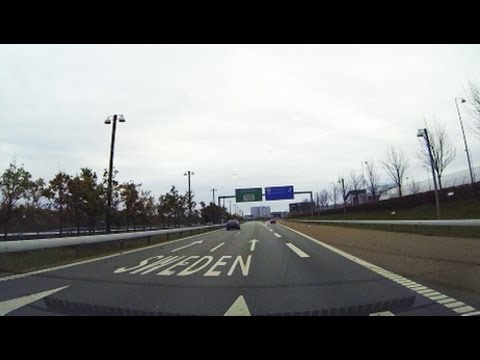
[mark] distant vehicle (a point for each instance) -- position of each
(273, 221)
(233, 224)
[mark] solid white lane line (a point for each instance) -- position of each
(297, 251)
(238, 308)
(277, 235)
(14, 304)
(448, 302)
(59, 267)
(216, 247)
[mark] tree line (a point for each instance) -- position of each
(78, 203)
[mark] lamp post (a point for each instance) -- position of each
(472, 178)
(368, 184)
(111, 120)
(342, 181)
(423, 133)
(189, 173)
(213, 196)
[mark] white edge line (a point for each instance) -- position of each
(382, 272)
(36, 272)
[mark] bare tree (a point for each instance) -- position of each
(317, 201)
(396, 165)
(334, 194)
(413, 187)
(355, 180)
(323, 198)
(372, 179)
(474, 100)
(443, 152)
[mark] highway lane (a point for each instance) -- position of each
(263, 269)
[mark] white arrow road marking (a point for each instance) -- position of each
(14, 304)
(297, 251)
(382, 313)
(183, 247)
(253, 241)
(277, 235)
(237, 233)
(216, 247)
(238, 308)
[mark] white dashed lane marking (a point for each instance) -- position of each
(297, 251)
(216, 247)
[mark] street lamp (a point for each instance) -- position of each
(472, 178)
(188, 173)
(342, 181)
(111, 120)
(213, 196)
(423, 133)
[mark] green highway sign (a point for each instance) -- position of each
(247, 195)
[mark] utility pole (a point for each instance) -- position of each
(213, 196)
(472, 178)
(342, 181)
(120, 118)
(188, 173)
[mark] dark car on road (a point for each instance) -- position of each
(273, 221)
(233, 224)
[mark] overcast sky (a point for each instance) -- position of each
(237, 115)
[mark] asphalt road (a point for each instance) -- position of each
(263, 269)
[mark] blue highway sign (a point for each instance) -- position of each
(279, 192)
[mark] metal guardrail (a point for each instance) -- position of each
(463, 222)
(37, 244)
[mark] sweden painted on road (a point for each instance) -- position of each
(193, 264)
